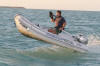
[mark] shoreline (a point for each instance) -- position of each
(10, 7)
(45, 9)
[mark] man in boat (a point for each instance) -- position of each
(59, 21)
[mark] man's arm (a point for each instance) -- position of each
(51, 16)
(64, 25)
(52, 20)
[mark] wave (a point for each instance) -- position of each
(51, 53)
(60, 53)
(93, 40)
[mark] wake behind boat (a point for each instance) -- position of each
(64, 39)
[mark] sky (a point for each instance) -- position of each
(91, 5)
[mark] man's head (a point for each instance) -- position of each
(58, 13)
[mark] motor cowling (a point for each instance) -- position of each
(82, 39)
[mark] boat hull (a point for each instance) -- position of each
(33, 31)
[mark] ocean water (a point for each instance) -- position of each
(18, 50)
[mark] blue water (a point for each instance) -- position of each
(18, 50)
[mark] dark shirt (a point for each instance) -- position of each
(61, 22)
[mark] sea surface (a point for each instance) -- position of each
(18, 50)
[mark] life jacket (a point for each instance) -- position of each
(61, 22)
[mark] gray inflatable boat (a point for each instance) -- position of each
(64, 39)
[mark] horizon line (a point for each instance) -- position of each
(46, 8)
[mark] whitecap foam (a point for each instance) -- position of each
(52, 53)
(93, 40)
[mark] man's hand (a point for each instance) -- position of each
(51, 15)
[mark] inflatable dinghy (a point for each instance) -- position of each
(64, 39)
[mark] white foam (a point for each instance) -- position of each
(93, 40)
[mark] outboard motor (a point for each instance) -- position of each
(80, 38)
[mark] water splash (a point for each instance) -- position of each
(93, 40)
(51, 53)
(59, 53)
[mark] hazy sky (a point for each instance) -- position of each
(55, 4)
